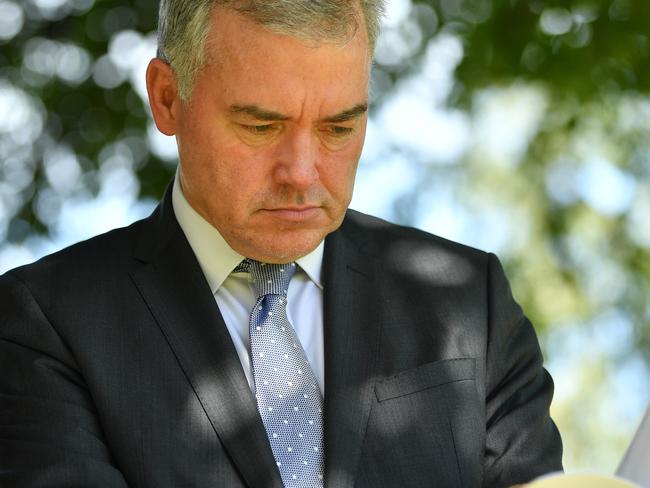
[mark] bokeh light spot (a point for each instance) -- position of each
(73, 64)
(606, 188)
(556, 21)
(62, 168)
(40, 57)
(12, 19)
(19, 115)
(52, 9)
(107, 74)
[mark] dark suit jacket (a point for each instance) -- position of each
(116, 368)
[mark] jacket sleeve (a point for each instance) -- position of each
(50, 435)
(522, 441)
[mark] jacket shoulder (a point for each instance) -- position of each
(90, 260)
(378, 236)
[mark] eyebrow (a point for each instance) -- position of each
(349, 114)
(263, 114)
(257, 112)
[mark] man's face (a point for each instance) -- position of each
(270, 140)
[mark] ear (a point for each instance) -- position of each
(164, 98)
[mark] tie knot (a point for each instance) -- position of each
(269, 279)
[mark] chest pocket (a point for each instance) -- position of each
(426, 376)
(411, 439)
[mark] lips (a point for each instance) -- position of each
(294, 214)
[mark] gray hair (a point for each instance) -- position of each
(183, 26)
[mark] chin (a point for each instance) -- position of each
(287, 255)
(287, 247)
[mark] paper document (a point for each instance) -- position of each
(633, 472)
(580, 481)
(635, 465)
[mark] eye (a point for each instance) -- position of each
(258, 129)
(338, 130)
(258, 133)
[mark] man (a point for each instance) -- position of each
(165, 354)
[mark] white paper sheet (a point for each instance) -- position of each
(635, 465)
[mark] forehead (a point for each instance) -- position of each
(249, 63)
(239, 41)
(314, 21)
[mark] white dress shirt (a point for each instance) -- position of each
(235, 296)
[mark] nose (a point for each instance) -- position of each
(297, 159)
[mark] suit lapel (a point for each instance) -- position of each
(351, 350)
(174, 288)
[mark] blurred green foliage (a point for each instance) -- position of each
(80, 113)
(582, 49)
(572, 194)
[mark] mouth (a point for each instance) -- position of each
(294, 214)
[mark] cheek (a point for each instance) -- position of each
(338, 172)
(213, 155)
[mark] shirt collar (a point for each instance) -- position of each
(312, 264)
(216, 258)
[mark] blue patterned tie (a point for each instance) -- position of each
(288, 396)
